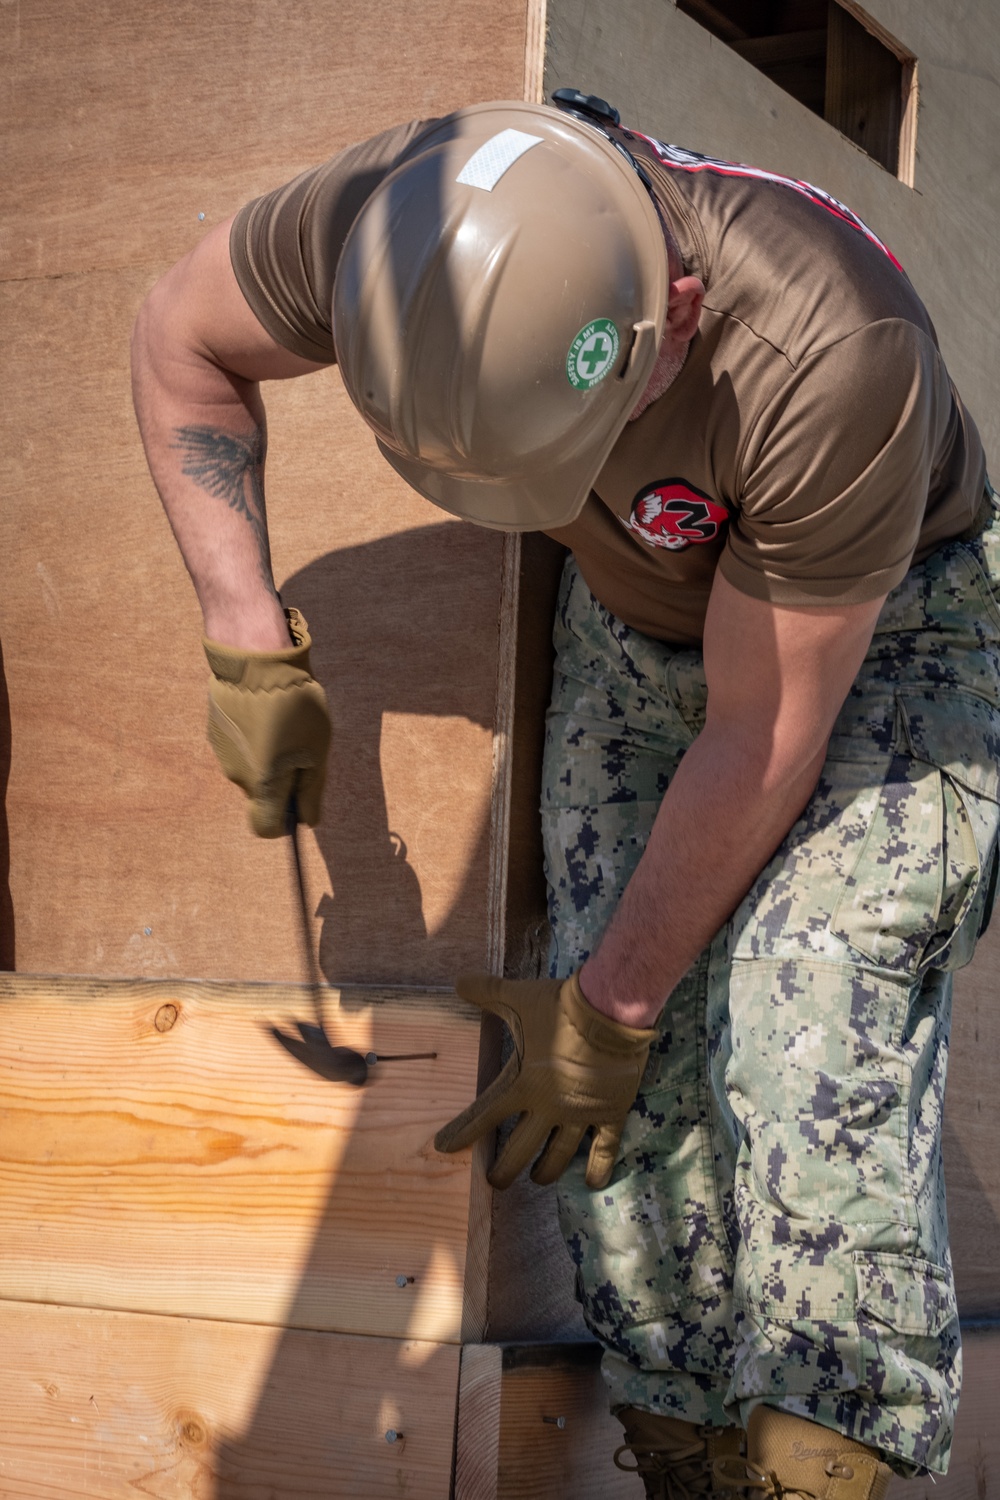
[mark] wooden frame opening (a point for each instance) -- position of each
(835, 59)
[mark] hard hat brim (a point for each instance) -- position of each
(546, 503)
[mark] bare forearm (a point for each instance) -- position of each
(205, 438)
(777, 677)
(724, 814)
(198, 355)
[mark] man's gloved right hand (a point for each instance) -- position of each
(269, 726)
(573, 1069)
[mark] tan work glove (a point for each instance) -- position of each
(269, 726)
(573, 1069)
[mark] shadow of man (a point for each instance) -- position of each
(404, 624)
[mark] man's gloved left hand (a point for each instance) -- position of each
(573, 1069)
(269, 725)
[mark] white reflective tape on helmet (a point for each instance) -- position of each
(485, 168)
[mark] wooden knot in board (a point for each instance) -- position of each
(192, 1430)
(165, 1017)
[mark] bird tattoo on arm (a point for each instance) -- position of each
(230, 468)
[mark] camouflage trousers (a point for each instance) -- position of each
(775, 1229)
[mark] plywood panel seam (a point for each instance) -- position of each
(21, 986)
(126, 1311)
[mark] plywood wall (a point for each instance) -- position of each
(128, 132)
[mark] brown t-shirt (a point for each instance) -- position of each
(813, 444)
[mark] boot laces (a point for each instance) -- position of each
(684, 1473)
(736, 1473)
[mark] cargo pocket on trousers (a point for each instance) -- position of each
(908, 1328)
(918, 894)
(651, 1245)
(905, 1293)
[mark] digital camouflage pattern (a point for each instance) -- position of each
(775, 1229)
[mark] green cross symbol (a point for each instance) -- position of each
(592, 354)
(595, 355)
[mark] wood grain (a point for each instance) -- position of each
(115, 1406)
(129, 851)
(534, 52)
(864, 88)
(124, 124)
(477, 1442)
(160, 1152)
(540, 1460)
(121, 127)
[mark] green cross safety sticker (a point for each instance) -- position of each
(592, 354)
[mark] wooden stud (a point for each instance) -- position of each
(713, 19)
(541, 1458)
(909, 110)
(791, 46)
(534, 51)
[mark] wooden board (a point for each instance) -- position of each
(521, 1392)
(160, 1152)
(115, 1406)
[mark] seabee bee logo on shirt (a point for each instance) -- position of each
(672, 513)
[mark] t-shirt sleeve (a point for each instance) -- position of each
(836, 473)
(286, 245)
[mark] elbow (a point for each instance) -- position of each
(143, 339)
(157, 340)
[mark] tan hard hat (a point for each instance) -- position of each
(498, 310)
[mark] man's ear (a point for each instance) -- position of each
(684, 301)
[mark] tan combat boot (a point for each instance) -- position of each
(789, 1456)
(676, 1459)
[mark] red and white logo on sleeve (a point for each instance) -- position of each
(672, 513)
